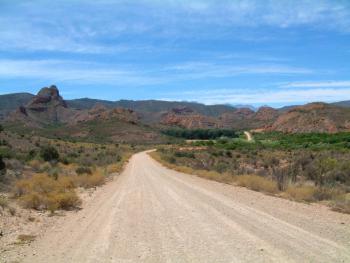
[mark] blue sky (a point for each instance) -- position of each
(273, 52)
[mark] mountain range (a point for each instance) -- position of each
(127, 120)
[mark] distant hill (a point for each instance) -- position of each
(245, 106)
(48, 114)
(152, 106)
(127, 120)
(10, 102)
(313, 117)
(345, 103)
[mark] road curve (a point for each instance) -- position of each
(249, 136)
(153, 214)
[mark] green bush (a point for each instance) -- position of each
(2, 165)
(49, 154)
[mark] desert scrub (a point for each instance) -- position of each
(257, 183)
(341, 204)
(313, 193)
(96, 178)
(42, 192)
(83, 170)
(301, 193)
(49, 153)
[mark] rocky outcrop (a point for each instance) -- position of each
(47, 107)
(100, 112)
(187, 118)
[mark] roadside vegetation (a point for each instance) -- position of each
(302, 167)
(44, 174)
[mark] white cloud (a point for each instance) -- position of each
(73, 26)
(263, 97)
(196, 70)
(73, 72)
(85, 72)
(318, 84)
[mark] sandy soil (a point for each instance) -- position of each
(153, 214)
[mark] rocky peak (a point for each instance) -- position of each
(47, 97)
(52, 91)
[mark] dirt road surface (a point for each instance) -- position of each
(249, 136)
(153, 214)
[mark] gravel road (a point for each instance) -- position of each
(153, 214)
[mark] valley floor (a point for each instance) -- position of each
(153, 214)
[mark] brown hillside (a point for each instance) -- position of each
(313, 117)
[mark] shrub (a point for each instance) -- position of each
(12, 211)
(83, 170)
(341, 204)
(2, 165)
(89, 181)
(257, 183)
(3, 202)
(31, 155)
(35, 164)
(49, 153)
(301, 193)
(42, 192)
(327, 193)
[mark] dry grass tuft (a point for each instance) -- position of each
(312, 193)
(41, 192)
(24, 239)
(257, 183)
(301, 193)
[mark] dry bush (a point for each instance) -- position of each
(35, 164)
(257, 183)
(327, 193)
(114, 168)
(12, 210)
(301, 193)
(312, 193)
(88, 181)
(3, 202)
(42, 192)
(341, 204)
